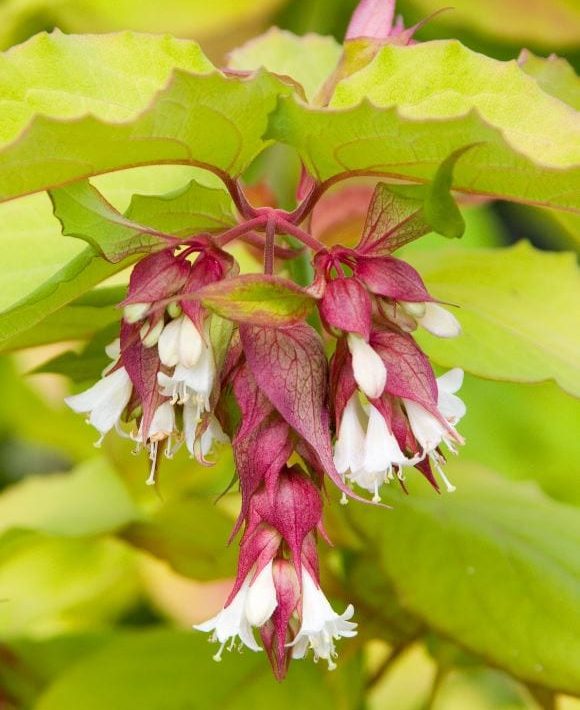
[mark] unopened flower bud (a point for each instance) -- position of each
(417, 310)
(439, 321)
(135, 312)
(369, 370)
(174, 309)
(150, 334)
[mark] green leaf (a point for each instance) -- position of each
(84, 213)
(77, 276)
(196, 207)
(309, 60)
(517, 325)
(548, 23)
(191, 208)
(411, 107)
(102, 103)
(191, 535)
(88, 501)
(440, 210)
(258, 299)
(500, 417)
(54, 585)
(174, 670)
(554, 75)
(186, 18)
(494, 567)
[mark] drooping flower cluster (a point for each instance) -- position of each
(264, 382)
(163, 371)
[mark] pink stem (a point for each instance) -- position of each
(269, 246)
(289, 228)
(241, 229)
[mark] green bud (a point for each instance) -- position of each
(174, 309)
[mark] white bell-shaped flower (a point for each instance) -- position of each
(321, 626)
(180, 343)
(381, 454)
(349, 447)
(191, 382)
(369, 370)
(104, 401)
(253, 605)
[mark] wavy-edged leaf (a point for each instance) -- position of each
(411, 107)
(554, 75)
(84, 213)
(258, 299)
(309, 60)
(518, 309)
(495, 567)
(102, 103)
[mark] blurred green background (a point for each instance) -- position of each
(99, 576)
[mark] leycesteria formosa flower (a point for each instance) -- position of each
(367, 415)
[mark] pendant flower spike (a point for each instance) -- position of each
(364, 418)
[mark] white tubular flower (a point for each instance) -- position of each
(439, 321)
(261, 600)
(430, 431)
(369, 370)
(381, 453)
(191, 382)
(253, 605)
(448, 403)
(104, 401)
(180, 343)
(321, 625)
(348, 450)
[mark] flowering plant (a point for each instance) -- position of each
(316, 368)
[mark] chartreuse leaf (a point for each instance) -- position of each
(53, 585)
(189, 18)
(191, 208)
(85, 213)
(411, 107)
(494, 567)
(258, 299)
(517, 308)
(309, 60)
(76, 277)
(88, 501)
(440, 210)
(553, 23)
(554, 75)
(102, 103)
(191, 535)
(92, 313)
(174, 670)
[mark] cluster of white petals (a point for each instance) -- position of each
(106, 400)
(252, 606)
(321, 626)
(366, 451)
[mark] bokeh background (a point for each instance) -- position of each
(98, 572)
